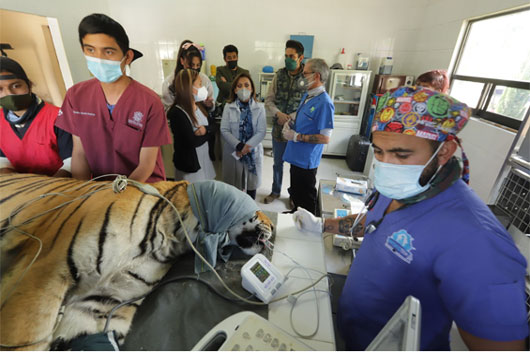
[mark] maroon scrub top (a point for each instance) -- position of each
(112, 143)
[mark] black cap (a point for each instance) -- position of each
(100, 23)
(10, 65)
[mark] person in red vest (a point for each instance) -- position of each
(29, 140)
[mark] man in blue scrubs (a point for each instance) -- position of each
(308, 134)
(428, 235)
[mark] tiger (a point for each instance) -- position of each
(99, 249)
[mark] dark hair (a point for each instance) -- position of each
(100, 23)
(187, 55)
(10, 65)
(434, 144)
(230, 48)
(193, 54)
(436, 79)
(234, 86)
(184, 93)
(296, 45)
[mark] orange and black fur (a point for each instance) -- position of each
(99, 250)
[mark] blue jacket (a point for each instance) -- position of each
(311, 118)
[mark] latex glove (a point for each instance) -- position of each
(289, 134)
(305, 221)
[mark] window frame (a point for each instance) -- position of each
(489, 84)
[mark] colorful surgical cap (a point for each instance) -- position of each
(422, 112)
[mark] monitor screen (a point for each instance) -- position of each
(259, 271)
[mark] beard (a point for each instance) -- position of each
(429, 171)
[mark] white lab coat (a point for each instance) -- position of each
(234, 171)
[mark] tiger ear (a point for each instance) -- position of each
(263, 217)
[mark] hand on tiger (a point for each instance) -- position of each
(305, 221)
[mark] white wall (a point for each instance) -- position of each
(258, 28)
(486, 145)
(439, 28)
(68, 14)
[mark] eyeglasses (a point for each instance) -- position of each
(307, 73)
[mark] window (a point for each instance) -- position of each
(492, 69)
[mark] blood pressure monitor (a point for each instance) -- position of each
(261, 278)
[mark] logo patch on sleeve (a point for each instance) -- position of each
(400, 243)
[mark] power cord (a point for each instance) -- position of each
(118, 185)
(149, 189)
(59, 318)
(293, 300)
(10, 226)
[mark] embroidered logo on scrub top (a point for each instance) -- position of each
(400, 243)
(136, 120)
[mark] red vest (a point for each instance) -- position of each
(37, 152)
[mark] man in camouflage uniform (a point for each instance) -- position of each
(282, 101)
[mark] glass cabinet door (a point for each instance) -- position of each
(347, 92)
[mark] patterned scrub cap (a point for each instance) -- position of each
(425, 113)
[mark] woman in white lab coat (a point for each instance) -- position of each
(243, 128)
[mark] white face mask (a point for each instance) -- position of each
(202, 94)
(309, 81)
(243, 94)
(107, 71)
(400, 181)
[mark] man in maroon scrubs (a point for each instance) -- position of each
(117, 124)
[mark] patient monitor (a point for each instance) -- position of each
(261, 278)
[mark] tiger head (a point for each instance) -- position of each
(251, 235)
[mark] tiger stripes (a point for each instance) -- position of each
(97, 251)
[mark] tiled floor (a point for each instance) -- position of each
(328, 169)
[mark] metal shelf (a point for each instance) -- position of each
(347, 102)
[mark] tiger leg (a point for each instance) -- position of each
(89, 316)
(30, 314)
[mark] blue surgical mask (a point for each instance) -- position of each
(400, 181)
(106, 71)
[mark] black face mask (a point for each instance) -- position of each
(197, 70)
(16, 102)
(232, 64)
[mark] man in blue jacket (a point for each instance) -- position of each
(308, 134)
